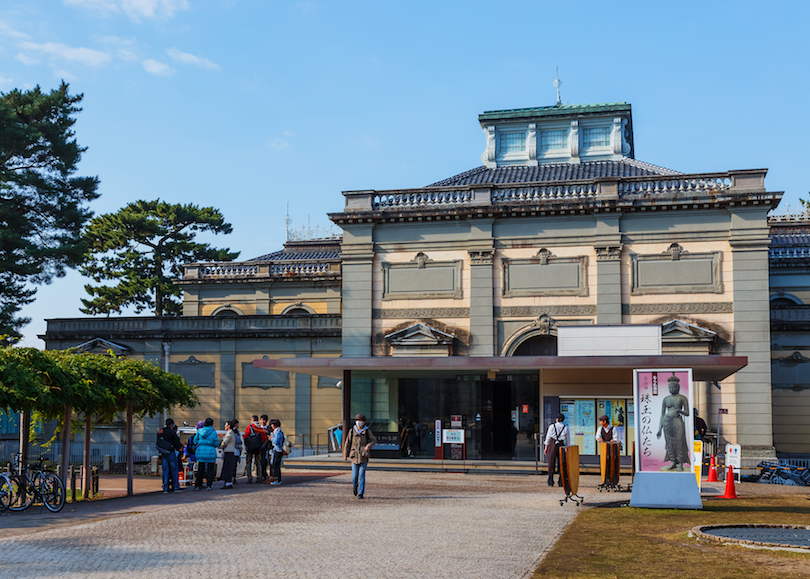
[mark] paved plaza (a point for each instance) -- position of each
(409, 525)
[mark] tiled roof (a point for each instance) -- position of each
(284, 255)
(555, 172)
(789, 249)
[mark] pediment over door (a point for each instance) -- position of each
(679, 337)
(420, 340)
(102, 346)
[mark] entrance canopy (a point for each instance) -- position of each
(704, 368)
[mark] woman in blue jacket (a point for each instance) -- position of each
(206, 441)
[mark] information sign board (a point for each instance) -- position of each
(453, 436)
(733, 456)
(438, 433)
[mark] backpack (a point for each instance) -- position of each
(253, 443)
(286, 446)
(163, 445)
(191, 448)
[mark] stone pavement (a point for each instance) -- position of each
(409, 525)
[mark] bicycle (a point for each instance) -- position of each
(23, 491)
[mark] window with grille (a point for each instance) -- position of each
(551, 140)
(513, 142)
(596, 137)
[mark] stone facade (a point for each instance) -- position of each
(560, 226)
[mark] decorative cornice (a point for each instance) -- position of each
(679, 308)
(481, 256)
(613, 253)
(419, 313)
(537, 311)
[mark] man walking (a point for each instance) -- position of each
(556, 438)
(167, 444)
(357, 447)
(255, 437)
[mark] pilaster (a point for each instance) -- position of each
(482, 253)
(357, 251)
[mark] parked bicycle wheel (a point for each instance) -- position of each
(52, 490)
(5, 493)
(22, 494)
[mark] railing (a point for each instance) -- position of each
(411, 199)
(565, 190)
(192, 324)
(788, 252)
(671, 185)
(546, 192)
(298, 268)
(118, 452)
(229, 270)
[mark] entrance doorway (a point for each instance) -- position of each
(498, 432)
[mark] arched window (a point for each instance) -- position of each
(226, 314)
(296, 312)
(537, 346)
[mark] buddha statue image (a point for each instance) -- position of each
(674, 409)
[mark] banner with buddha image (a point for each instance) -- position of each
(664, 422)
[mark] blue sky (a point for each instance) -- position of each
(249, 106)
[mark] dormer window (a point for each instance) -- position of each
(553, 140)
(596, 137)
(513, 142)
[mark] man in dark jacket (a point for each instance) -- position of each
(167, 444)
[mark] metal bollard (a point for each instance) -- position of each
(94, 481)
(72, 484)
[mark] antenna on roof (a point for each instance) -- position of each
(288, 222)
(557, 83)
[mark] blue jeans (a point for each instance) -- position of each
(170, 470)
(359, 477)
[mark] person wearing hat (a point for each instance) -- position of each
(357, 447)
(605, 431)
(556, 437)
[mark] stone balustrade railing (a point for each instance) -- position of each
(144, 326)
(297, 268)
(668, 184)
(748, 181)
(229, 270)
(568, 190)
(411, 199)
(259, 270)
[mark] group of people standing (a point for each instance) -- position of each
(263, 444)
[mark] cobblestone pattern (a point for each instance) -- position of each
(410, 525)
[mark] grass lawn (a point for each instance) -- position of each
(626, 543)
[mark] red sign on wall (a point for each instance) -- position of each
(524, 408)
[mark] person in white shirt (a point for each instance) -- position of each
(605, 431)
(556, 437)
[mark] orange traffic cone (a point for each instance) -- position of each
(181, 476)
(712, 471)
(731, 492)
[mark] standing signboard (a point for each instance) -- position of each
(664, 440)
(455, 438)
(734, 458)
(438, 449)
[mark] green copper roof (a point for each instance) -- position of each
(555, 111)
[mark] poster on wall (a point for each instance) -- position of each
(567, 409)
(664, 425)
(585, 425)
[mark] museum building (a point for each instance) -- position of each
(458, 301)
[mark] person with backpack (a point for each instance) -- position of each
(168, 443)
(255, 437)
(556, 438)
(357, 447)
(265, 458)
(205, 449)
(279, 444)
